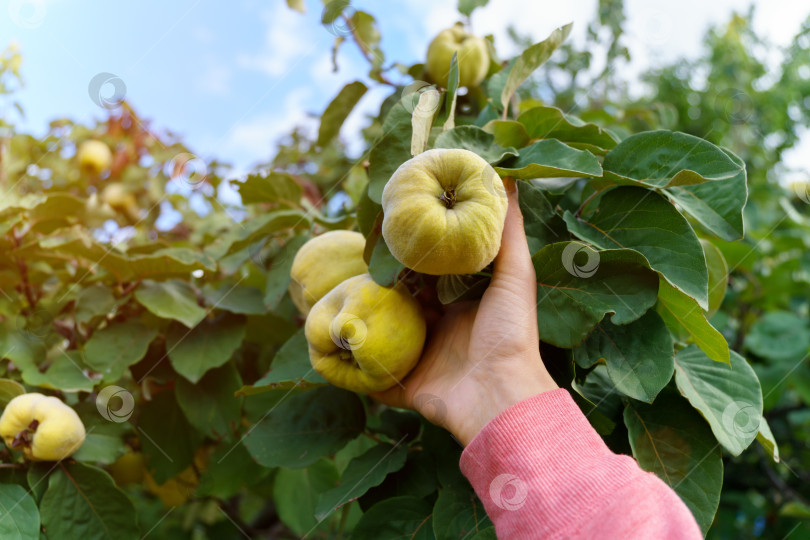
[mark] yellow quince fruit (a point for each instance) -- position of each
(117, 197)
(444, 212)
(129, 468)
(178, 490)
(43, 427)
(323, 263)
(94, 157)
(472, 55)
(365, 337)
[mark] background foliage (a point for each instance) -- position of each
(687, 329)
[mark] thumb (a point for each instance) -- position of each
(514, 262)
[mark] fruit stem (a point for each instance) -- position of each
(448, 198)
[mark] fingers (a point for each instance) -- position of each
(514, 259)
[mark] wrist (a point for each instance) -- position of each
(499, 391)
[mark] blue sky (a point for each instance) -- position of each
(232, 77)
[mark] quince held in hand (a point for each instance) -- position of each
(365, 337)
(444, 212)
(471, 53)
(43, 427)
(94, 157)
(323, 263)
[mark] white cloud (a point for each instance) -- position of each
(287, 38)
(215, 79)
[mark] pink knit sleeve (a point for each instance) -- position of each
(543, 472)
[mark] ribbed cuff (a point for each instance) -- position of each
(542, 455)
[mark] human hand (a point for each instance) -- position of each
(483, 357)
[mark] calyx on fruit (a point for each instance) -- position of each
(42, 427)
(472, 55)
(365, 337)
(94, 157)
(323, 263)
(444, 212)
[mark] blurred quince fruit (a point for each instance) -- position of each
(118, 198)
(178, 490)
(43, 427)
(444, 212)
(130, 468)
(94, 157)
(323, 263)
(365, 337)
(472, 55)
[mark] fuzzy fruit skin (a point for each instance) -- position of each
(323, 263)
(427, 236)
(473, 56)
(364, 337)
(59, 432)
(94, 157)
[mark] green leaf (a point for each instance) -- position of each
(111, 350)
(638, 355)
(273, 187)
(278, 278)
(9, 390)
(363, 473)
(210, 405)
(383, 266)
(779, 335)
(66, 373)
(640, 219)
(552, 123)
(577, 286)
(665, 159)
(550, 159)
(540, 220)
(392, 150)
(671, 440)
(531, 59)
(208, 345)
(485, 534)
(297, 5)
(305, 427)
(290, 368)
(718, 275)
(682, 314)
(19, 516)
(94, 301)
(452, 94)
(296, 491)
(466, 7)
(338, 110)
(508, 133)
(458, 513)
(229, 470)
(476, 140)
(82, 503)
(767, 440)
(104, 441)
(717, 205)
(396, 518)
(168, 441)
(728, 396)
(236, 299)
(173, 299)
